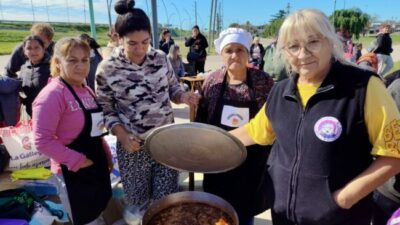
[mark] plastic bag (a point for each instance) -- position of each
(19, 144)
(133, 214)
(115, 175)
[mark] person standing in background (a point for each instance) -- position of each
(274, 63)
(166, 41)
(18, 58)
(35, 73)
(257, 53)
(197, 54)
(113, 42)
(95, 58)
(383, 50)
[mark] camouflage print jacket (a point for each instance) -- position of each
(138, 97)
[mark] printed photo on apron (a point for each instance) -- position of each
(234, 116)
(98, 126)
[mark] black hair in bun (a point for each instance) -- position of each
(124, 6)
(130, 19)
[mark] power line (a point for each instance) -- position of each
(1, 11)
(47, 11)
(84, 11)
(195, 13)
(33, 11)
(190, 18)
(166, 12)
(66, 3)
(180, 19)
(109, 2)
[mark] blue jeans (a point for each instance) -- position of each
(385, 63)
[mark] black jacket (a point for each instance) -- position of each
(201, 42)
(18, 59)
(262, 50)
(384, 43)
(164, 46)
(34, 79)
(319, 149)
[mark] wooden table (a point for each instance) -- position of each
(195, 84)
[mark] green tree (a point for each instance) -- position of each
(275, 23)
(234, 25)
(354, 20)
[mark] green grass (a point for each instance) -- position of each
(395, 67)
(13, 33)
(368, 39)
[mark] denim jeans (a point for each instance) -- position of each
(385, 63)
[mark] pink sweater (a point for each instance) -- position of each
(57, 120)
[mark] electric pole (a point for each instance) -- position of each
(334, 9)
(288, 9)
(84, 11)
(195, 12)
(33, 11)
(47, 10)
(109, 14)
(210, 24)
(214, 22)
(66, 3)
(1, 10)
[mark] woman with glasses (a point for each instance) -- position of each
(335, 139)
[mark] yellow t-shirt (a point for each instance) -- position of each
(380, 113)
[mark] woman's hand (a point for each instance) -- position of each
(87, 163)
(190, 98)
(128, 141)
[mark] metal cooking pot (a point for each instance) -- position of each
(189, 197)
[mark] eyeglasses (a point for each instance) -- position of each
(311, 46)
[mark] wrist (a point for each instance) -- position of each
(182, 98)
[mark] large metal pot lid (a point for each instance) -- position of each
(195, 147)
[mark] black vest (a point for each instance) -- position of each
(320, 148)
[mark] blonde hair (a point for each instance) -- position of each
(256, 39)
(43, 28)
(306, 21)
(63, 48)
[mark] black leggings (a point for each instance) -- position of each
(199, 66)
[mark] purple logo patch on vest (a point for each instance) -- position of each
(328, 129)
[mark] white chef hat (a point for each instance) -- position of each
(233, 35)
